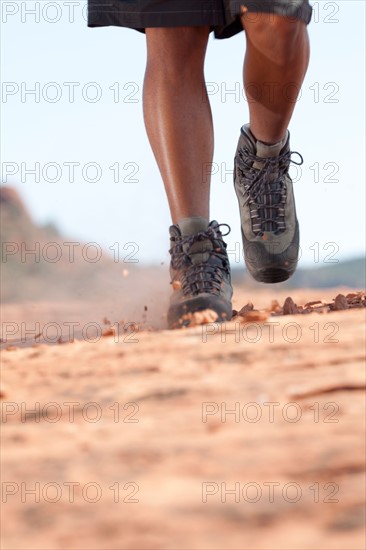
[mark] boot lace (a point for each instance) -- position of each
(266, 196)
(203, 277)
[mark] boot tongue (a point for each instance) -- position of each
(266, 151)
(190, 226)
(198, 251)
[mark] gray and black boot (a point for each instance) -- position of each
(200, 271)
(269, 225)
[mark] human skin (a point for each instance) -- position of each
(177, 111)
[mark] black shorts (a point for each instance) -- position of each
(221, 15)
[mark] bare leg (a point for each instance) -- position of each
(275, 64)
(178, 116)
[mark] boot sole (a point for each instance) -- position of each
(177, 312)
(270, 275)
(272, 268)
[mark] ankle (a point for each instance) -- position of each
(269, 139)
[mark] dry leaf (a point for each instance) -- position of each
(340, 302)
(199, 318)
(244, 310)
(289, 307)
(110, 331)
(254, 316)
(275, 307)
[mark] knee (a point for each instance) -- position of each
(176, 53)
(279, 35)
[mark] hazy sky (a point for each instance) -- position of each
(82, 130)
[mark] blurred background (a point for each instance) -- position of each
(77, 166)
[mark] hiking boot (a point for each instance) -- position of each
(200, 272)
(269, 225)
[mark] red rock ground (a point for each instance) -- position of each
(239, 436)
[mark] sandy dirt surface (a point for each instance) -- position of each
(145, 303)
(238, 436)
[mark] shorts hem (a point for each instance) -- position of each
(224, 23)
